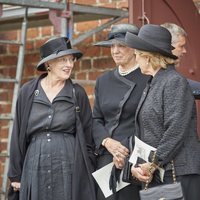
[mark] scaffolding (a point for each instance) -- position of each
(24, 14)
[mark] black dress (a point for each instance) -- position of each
(49, 161)
(31, 136)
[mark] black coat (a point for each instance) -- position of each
(116, 100)
(82, 181)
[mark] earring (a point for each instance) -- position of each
(48, 69)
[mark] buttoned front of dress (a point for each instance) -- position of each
(50, 155)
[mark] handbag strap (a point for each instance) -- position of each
(151, 172)
(77, 108)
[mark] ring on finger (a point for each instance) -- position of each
(117, 154)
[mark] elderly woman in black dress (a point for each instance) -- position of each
(50, 154)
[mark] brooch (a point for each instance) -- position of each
(36, 92)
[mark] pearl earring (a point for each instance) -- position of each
(48, 69)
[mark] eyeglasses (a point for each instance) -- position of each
(71, 60)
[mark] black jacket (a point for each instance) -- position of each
(116, 100)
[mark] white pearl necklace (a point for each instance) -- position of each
(124, 73)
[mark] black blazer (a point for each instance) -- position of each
(116, 100)
(166, 120)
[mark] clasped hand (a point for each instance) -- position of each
(143, 172)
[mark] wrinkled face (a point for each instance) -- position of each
(121, 54)
(180, 49)
(61, 68)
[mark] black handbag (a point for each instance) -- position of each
(171, 191)
(163, 192)
(126, 174)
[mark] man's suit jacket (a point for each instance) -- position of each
(195, 86)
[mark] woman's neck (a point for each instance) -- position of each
(125, 70)
(52, 86)
(53, 82)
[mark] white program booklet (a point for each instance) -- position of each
(102, 177)
(142, 150)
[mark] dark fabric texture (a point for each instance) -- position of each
(151, 38)
(167, 191)
(189, 184)
(12, 195)
(48, 167)
(116, 100)
(195, 86)
(166, 120)
(20, 141)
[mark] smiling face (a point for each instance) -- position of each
(61, 68)
(122, 55)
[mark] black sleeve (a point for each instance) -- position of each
(86, 119)
(98, 129)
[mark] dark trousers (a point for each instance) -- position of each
(130, 192)
(191, 186)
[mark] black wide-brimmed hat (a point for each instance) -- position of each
(56, 48)
(151, 38)
(118, 33)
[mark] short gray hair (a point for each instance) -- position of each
(175, 31)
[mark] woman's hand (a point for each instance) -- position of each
(140, 173)
(147, 168)
(16, 186)
(118, 151)
(119, 163)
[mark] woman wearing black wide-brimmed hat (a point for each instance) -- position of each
(166, 114)
(117, 94)
(50, 153)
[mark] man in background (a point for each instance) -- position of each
(178, 42)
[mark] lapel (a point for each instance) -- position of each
(143, 97)
(123, 101)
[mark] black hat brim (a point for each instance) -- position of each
(108, 43)
(135, 42)
(76, 53)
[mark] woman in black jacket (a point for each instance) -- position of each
(166, 115)
(117, 94)
(49, 153)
